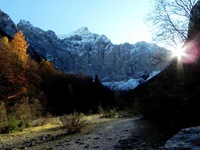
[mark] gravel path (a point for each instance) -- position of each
(122, 134)
(103, 137)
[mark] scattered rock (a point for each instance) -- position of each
(96, 138)
(187, 138)
(96, 146)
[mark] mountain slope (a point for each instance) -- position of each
(92, 54)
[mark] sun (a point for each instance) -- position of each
(186, 54)
(179, 52)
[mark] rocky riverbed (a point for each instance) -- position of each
(126, 134)
(122, 133)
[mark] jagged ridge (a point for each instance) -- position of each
(91, 53)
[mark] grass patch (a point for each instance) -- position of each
(53, 130)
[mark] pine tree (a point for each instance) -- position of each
(96, 79)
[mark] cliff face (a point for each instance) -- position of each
(43, 44)
(88, 52)
(93, 54)
(7, 26)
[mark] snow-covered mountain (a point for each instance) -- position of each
(129, 84)
(93, 54)
(83, 35)
(90, 53)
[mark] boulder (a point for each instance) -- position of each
(187, 138)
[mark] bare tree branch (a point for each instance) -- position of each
(169, 20)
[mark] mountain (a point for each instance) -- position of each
(7, 26)
(92, 54)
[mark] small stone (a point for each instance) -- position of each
(22, 147)
(144, 144)
(80, 143)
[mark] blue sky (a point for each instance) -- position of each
(120, 20)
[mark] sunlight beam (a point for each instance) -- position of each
(187, 53)
(179, 53)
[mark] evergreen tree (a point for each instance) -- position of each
(96, 79)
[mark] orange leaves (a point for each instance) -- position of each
(19, 47)
(13, 62)
(4, 40)
(47, 67)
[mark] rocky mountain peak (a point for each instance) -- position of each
(7, 26)
(25, 23)
(82, 30)
(92, 53)
(83, 35)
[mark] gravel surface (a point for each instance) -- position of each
(119, 134)
(126, 134)
(103, 137)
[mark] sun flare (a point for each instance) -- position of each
(179, 52)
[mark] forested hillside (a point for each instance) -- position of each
(31, 89)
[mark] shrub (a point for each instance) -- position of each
(12, 124)
(36, 108)
(48, 119)
(101, 110)
(23, 112)
(109, 113)
(3, 117)
(112, 113)
(73, 123)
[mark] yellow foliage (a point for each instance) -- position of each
(47, 67)
(19, 45)
(4, 40)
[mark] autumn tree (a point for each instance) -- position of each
(4, 40)
(16, 73)
(19, 46)
(168, 21)
(4, 52)
(46, 67)
(17, 65)
(6, 68)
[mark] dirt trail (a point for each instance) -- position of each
(103, 137)
(126, 134)
(117, 134)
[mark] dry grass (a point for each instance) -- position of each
(54, 127)
(73, 123)
(3, 116)
(30, 133)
